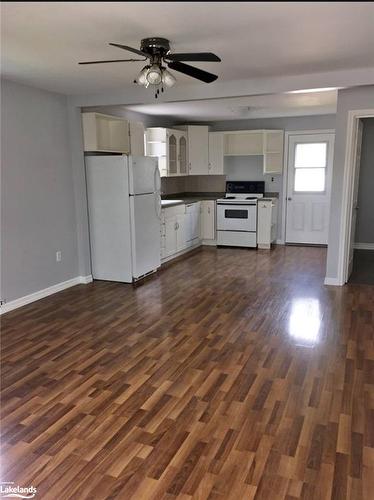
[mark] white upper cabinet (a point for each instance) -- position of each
(266, 143)
(182, 151)
(198, 149)
(273, 151)
(170, 147)
(244, 143)
(215, 166)
(172, 144)
(105, 133)
(137, 138)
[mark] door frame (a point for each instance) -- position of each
(285, 172)
(347, 195)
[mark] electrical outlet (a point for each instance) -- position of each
(58, 256)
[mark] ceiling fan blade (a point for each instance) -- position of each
(111, 61)
(130, 49)
(200, 74)
(193, 56)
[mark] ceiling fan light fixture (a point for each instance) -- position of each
(167, 78)
(154, 75)
(141, 79)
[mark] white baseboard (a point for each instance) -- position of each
(333, 282)
(84, 280)
(32, 297)
(209, 243)
(364, 246)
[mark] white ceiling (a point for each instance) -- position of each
(260, 106)
(42, 42)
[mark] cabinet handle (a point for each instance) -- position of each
(208, 210)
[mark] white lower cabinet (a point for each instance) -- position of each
(208, 220)
(180, 232)
(266, 222)
(173, 233)
(192, 219)
(180, 229)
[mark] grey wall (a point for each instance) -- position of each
(348, 99)
(365, 216)
(38, 214)
(250, 168)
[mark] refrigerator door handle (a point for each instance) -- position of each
(157, 180)
(158, 205)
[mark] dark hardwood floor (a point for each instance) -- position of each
(233, 374)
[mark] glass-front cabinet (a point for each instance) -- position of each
(173, 154)
(170, 147)
(183, 154)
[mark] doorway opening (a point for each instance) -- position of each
(361, 256)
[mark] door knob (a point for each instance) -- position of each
(289, 198)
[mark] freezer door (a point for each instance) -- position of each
(143, 175)
(145, 230)
(109, 218)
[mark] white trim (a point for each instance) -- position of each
(32, 297)
(209, 243)
(280, 242)
(84, 280)
(285, 171)
(332, 282)
(364, 246)
(346, 212)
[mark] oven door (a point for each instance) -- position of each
(234, 217)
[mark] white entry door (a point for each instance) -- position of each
(310, 159)
(358, 146)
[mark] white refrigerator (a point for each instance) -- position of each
(124, 212)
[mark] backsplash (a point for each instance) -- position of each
(193, 184)
(250, 168)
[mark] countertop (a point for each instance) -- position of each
(170, 200)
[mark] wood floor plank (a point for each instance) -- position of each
(232, 374)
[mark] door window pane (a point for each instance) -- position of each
(310, 155)
(310, 179)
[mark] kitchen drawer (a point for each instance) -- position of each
(173, 211)
(236, 238)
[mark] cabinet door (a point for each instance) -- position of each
(172, 156)
(137, 138)
(181, 232)
(215, 166)
(244, 143)
(198, 138)
(170, 236)
(188, 227)
(195, 222)
(208, 229)
(183, 154)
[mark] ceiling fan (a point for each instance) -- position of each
(155, 73)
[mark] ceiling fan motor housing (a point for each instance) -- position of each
(155, 46)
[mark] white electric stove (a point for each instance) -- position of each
(237, 213)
